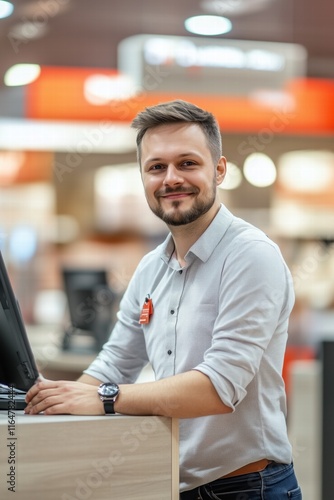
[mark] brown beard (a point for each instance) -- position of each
(199, 208)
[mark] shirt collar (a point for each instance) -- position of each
(206, 243)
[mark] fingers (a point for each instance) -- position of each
(63, 397)
(48, 403)
(42, 400)
(43, 396)
(35, 389)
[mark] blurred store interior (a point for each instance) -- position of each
(73, 74)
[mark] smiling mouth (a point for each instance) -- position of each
(176, 196)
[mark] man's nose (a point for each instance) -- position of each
(172, 176)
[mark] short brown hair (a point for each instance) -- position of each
(179, 111)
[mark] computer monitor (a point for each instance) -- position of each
(17, 364)
(90, 305)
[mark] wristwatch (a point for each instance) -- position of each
(108, 393)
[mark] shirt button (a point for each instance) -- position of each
(180, 272)
(169, 352)
(172, 311)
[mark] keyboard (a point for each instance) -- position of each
(10, 394)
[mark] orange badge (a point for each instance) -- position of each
(146, 311)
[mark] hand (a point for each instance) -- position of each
(63, 397)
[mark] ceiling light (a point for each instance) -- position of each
(259, 170)
(233, 177)
(21, 74)
(208, 25)
(28, 30)
(307, 171)
(6, 8)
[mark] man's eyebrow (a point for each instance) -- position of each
(181, 155)
(149, 160)
(189, 153)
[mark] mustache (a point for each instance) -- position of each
(169, 190)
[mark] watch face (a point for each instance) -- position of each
(108, 390)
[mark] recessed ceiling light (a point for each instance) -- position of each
(28, 30)
(307, 171)
(260, 170)
(6, 8)
(208, 25)
(21, 74)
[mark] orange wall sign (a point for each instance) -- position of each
(305, 106)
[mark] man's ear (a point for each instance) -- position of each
(221, 170)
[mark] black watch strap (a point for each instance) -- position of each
(109, 407)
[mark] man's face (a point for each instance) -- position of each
(179, 176)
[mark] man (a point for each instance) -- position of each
(209, 310)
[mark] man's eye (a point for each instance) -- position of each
(157, 167)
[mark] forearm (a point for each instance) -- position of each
(186, 395)
(88, 379)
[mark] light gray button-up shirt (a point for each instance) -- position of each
(225, 314)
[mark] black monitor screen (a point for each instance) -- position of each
(90, 303)
(17, 365)
(83, 287)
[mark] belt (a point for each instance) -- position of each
(249, 468)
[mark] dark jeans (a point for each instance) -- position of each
(275, 482)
